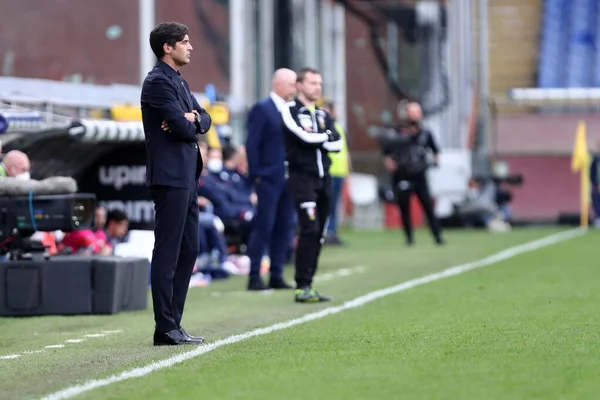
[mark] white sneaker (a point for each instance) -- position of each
(497, 225)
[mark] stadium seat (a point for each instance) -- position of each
(568, 56)
(553, 46)
(581, 43)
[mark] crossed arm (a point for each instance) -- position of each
(329, 141)
(335, 143)
(205, 121)
(161, 96)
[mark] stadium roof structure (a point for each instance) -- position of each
(66, 94)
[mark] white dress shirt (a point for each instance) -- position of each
(279, 101)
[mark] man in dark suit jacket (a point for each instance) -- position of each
(265, 150)
(173, 121)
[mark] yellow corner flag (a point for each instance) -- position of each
(580, 162)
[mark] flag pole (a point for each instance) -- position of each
(580, 163)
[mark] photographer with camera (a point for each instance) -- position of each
(406, 158)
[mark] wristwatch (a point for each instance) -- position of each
(198, 118)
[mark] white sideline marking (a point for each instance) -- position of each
(357, 302)
(60, 346)
(343, 272)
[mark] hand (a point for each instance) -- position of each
(333, 136)
(165, 126)
(105, 250)
(390, 164)
(203, 201)
(190, 117)
(253, 199)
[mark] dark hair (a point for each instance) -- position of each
(228, 153)
(304, 71)
(169, 33)
(117, 216)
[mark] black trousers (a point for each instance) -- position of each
(311, 196)
(403, 190)
(174, 254)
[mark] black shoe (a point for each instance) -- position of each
(333, 240)
(195, 339)
(308, 295)
(279, 284)
(410, 242)
(172, 338)
(257, 284)
(439, 241)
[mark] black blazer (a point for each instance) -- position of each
(172, 158)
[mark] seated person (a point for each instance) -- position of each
(480, 206)
(503, 199)
(99, 219)
(232, 168)
(212, 254)
(242, 170)
(223, 167)
(85, 242)
(98, 241)
(235, 217)
(116, 227)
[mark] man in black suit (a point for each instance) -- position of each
(173, 121)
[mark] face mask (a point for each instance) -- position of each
(25, 176)
(215, 165)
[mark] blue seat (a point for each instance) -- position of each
(554, 44)
(568, 55)
(581, 50)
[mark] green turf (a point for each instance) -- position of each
(483, 334)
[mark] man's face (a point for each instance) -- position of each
(100, 217)
(234, 161)
(182, 51)
(414, 112)
(118, 229)
(215, 154)
(17, 169)
(288, 88)
(311, 87)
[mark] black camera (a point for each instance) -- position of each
(512, 180)
(21, 216)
